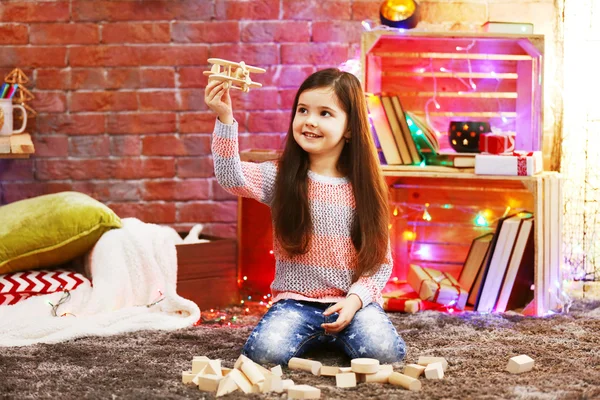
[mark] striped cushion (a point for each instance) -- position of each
(17, 286)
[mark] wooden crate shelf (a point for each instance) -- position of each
(16, 146)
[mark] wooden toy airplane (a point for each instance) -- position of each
(236, 75)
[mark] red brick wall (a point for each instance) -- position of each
(119, 91)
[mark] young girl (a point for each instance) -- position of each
(330, 219)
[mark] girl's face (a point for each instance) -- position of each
(320, 124)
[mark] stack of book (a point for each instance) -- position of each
(499, 270)
(406, 139)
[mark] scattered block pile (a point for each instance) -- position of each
(249, 377)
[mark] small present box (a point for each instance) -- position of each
(513, 164)
(437, 286)
(409, 305)
(492, 143)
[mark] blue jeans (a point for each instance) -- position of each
(291, 327)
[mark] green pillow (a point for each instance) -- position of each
(50, 230)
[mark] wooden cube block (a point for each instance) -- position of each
(273, 383)
(386, 367)
(414, 370)
(287, 383)
(345, 379)
(187, 376)
(365, 365)
(226, 385)
(276, 370)
(520, 364)
(209, 383)
(198, 364)
(434, 371)
(426, 360)
(404, 381)
(305, 365)
(304, 392)
(258, 387)
(329, 371)
(252, 373)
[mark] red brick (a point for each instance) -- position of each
(262, 141)
(286, 98)
(268, 122)
(207, 212)
(252, 54)
(136, 32)
(52, 79)
(15, 191)
(163, 55)
(123, 78)
(158, 100)
(195, 167)
(16, 170)
(37, 11)
(64, 34)
(196, 145)
(32, 56)
(192, 77)
(184, 190)
(110, 191)
(292, 76)
(89, 146)
(316, 10)
(220, 230)
(49, 102)
(13, 34)
(239, 10)
(82, 169)
(154, 213)
(337, 31)
(150, 10)
(138, 168)
(103, 101)
(157, 77)
(206, 32)
(362, 10)
(203, 122)
(51, 145)
(264, 99)
(104, 56)
(163, 145)
(127, 145)
(192, 100)
(275, 31)
(315, 54)
(135, 123)
(71, 124)
(218, 193)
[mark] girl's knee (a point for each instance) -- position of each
(263, 353)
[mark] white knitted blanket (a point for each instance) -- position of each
(130, 269)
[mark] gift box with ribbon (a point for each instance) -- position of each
(437, 286)
(493, 143)
(517, 163)
(409, 305)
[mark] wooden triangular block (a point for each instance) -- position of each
(226, 386)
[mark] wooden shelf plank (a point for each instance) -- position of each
(16, 146)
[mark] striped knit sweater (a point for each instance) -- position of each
(324, 273)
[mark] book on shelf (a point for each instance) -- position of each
(412, 147)
(475, 259)
(456, 160)
(383, 131)
(396, 130)
(424, 136)
(516, 290)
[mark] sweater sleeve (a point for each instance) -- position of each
(369, 288)
(246, 179)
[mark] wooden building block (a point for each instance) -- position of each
(426, 360)
(304, 392)
(365, 365)
(209, 383)
(252, 373)
(258, 387)
(240, 360)
(226, 385)
(287, 383)
(434, 371)
(345, 379)
(199, 363)
(345, 369)
(273, 383)
(382, 376)
(263, 370)
(386, 367)
(241, 381)
(213, 368)
(406, 382)
(276, 370)
(305, 365)
(519, 364)
(329, 371)
(414, 370)
(225, 371)
(187, 376)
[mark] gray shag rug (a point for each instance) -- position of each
(148, 364)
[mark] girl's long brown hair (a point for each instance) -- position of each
(358, 160)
